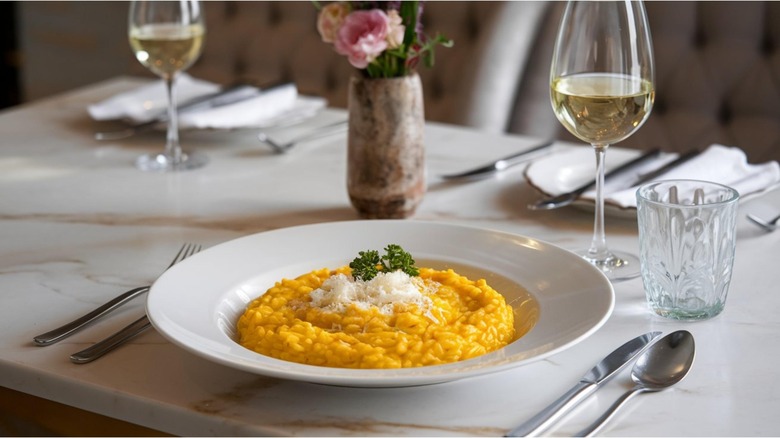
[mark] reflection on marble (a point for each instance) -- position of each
(80, 225)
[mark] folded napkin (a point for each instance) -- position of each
(150, 101)
(269, 107)
(718, 163)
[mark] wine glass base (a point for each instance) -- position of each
(617, 266)
(164, 163)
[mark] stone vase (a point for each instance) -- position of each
(385, 150)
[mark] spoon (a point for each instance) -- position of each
(769, 226)
(662, 365)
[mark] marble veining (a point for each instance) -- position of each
(80, 225)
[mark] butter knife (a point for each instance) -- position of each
(666, 167)
(500, 164)
(590, 382)
(567, 198)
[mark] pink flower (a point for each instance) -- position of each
(395, 29)
(330, 19)
(362, 37)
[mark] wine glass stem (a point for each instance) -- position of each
(172, 147)
(598, 247)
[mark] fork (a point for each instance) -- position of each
(281, 148)
(128, 332)
(72, 327)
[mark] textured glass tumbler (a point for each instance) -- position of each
(686, 246)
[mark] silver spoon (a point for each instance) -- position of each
(768, 226)
(662, 365)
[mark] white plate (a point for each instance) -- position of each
(196, 303)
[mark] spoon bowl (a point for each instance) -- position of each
(662, 365)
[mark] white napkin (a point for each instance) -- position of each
(149, 101)
(279, 105)
(721, 164)
(269, 108)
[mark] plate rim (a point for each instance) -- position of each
(380, 378)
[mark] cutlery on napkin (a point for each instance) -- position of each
(226, 96)
(564, 199)
(268, 107)
(717, 163)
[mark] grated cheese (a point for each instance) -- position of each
(383, 291)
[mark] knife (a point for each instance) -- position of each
(500, 164)
(226, 96)
(666, 167)
(588, 384)
(567, 198)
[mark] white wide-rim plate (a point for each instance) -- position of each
(197, 302)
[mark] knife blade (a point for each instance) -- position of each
(500, 164)
(589, 383)
(666, 167)
(567, 198)
(226, 96)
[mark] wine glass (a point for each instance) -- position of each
(602, 91)
(167, 38)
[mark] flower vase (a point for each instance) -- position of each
(385, 150)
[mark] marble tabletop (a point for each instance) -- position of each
(79, 224)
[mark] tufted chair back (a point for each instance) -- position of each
(717, 78)
(717, 66)
(271, 40)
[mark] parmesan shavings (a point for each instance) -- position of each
(383, 291)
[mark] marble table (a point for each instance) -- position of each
(79, 224)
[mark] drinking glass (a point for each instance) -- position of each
(687, 241)
(167, 38)
(602, 91)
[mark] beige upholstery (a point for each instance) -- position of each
(718, 67)
(718, 73)
(268, 41)
(717, 78)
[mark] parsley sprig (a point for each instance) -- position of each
(369, 263)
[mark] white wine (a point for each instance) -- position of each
(601, 108)
(167, 48)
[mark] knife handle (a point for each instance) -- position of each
(68, 329)
(554, 411)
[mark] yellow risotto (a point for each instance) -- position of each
(452, 319)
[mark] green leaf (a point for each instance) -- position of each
(368, 263)
(396, 259)
(364, 267)
(408, 12)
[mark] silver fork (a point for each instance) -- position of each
(128, 332)
(319, 131)
(72, 327)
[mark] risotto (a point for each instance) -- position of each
(327, 318)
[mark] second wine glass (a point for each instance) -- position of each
(167, 38)
(602, 91)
